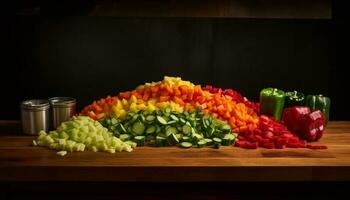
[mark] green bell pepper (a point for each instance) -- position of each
(294, 99)
(319, 102)
(272, 102)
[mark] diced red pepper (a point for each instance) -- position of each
(269, 145)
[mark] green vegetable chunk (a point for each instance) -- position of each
(186, 144)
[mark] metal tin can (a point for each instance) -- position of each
(35, 116)
(62, 109)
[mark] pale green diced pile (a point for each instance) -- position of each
(82, 133)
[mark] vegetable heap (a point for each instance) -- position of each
(165, 128)
(179, 96)
(177, 112)
(80, 133)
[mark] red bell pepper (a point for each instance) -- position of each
(313, 125)
(308, 125)
(293, 115)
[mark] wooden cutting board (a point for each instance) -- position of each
(20, 161)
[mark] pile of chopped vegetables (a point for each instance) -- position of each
(80, 133)
(166, 128)
(179, 96)
(166, 113)
(176, 112)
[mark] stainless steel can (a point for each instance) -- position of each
(35, 116)
(62, 109)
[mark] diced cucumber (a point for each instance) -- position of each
(183, 121)
(179, 128)
(161, 120)
(179, 136)
(114, 121)
(160, 141)
(226, 142)
(209, 141)
(186, 129)
(204, 123)
(171, 122)
(217, 140)
(134, 118)
(142, 118)
(196, 137)
(62, 153)
(150, 118)
(140, 140)
(138, 128)
(228, 139)
(150, 130)
(217, 145)
(172, 139)
(124, 137)
(201, 143)
(170, 130)
(158, 129)
(174, 118)
(186, 139)
(219, 134)
(132, 144)
(122, 128)
(186, 144)
(226, 128)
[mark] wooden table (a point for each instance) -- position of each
(20, 161)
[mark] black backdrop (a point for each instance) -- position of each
(91, 57)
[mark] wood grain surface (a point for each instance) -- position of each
(20, 161)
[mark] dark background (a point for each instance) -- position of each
(89, 57)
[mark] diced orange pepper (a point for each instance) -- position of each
(92, 114)
(169, 89)
(125, 95)
(164, 93)
(155, 89)
(190, 95)
(177, 92)
(184, 89)
(97, 108)
(164, 98)
(100, 116)
(146, 96)
(178, 100)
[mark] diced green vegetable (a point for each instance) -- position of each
(138, 128)
(161, 120)
(186, 129)
(82, 132)
(201, 143)
(217, 140)
(186, 139)
(160, 141)
(62, 153)
(209, 141)
(124, 137)
(217, 145)
(150, 118)
(140, 140)
(173, 117)
(164, 127)
(170, 130)
(150, 130)
(186, 144)
(172, 139)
